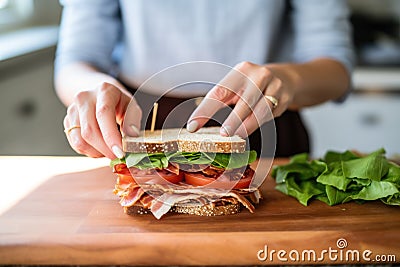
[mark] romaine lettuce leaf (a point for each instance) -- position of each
(161, 160)
(373, 166)
(392, 200)
(334, 195)
(376, 190)
(190, 158)
(300, 168)
(304, 190)
(299, 158)
(339, 178)
(393, 174)
(333, 156)
(234, 160)
(334, 176)
(146, 161)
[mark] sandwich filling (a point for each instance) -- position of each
(160, 181)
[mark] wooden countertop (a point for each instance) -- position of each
(62, 211)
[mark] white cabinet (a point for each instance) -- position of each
(366, 121)
(30, 113)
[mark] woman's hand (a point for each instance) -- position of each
(253, 90)
(92, 118)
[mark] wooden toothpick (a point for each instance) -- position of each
(153, 120)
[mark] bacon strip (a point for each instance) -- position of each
(243, 201)
(132, 197)
(146, 201)
(174, 168)
(167, 201)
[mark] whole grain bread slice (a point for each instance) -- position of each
(210, 209)
(207, 139)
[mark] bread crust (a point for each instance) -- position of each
(171, 140)
(199, 210)
(209, 209)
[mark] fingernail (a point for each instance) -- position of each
(118, 152)
(225, 131)
(135, 130)
(192, 126)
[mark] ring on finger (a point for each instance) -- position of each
(273, 100)
(68, 130)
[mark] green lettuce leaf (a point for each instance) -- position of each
(304, 190)
(334, 176)
(373, 166)
(318, 166)
(282, 187)
(190, 158)
(147, 161)
(361, 182)
(116, 161)
(134, 158)
(298, 168)
(333, 156)
(393, 174)
(335, 196)
(392, 200)
(161, 160)
(323, 198)
(376, 190)
(339, 178)
(299, 158)
(234, 160)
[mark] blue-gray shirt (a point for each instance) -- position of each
(138, 38)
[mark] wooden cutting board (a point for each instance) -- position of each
(74, 218)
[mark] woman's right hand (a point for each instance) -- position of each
(92, 118)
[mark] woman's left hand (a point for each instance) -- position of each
(257, 92)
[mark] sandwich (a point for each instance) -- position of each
(173, 170)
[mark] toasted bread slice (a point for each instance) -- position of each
(170, 140)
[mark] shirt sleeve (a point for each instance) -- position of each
(322, 29)
(89, 31)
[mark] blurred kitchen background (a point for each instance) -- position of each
(31, 115)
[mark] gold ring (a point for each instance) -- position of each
(68, 130)
(273, 100)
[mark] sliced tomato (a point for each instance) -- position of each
(121, 169)
(131, 175)
(171, 177)
(125, 179)
(198, 179)
(155, 176)
(124, 175)
(242, 183)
